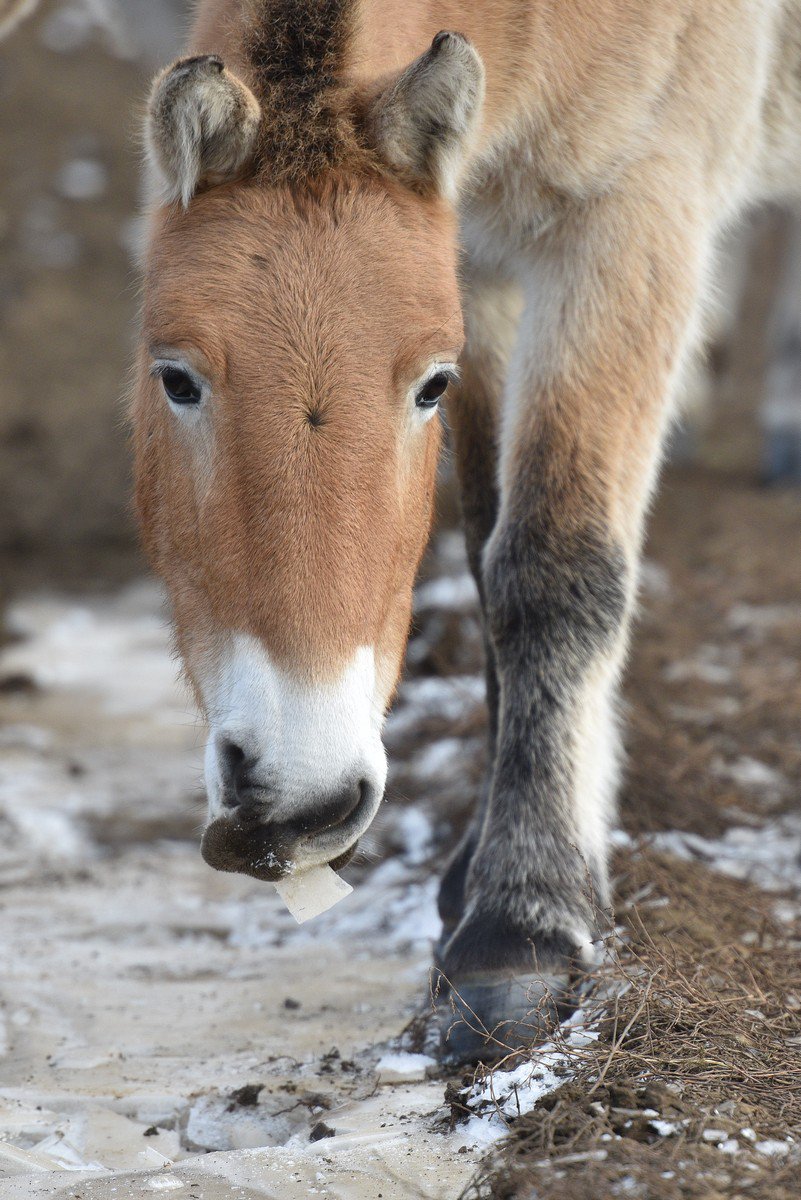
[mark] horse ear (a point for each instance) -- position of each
(201, 126)
(12, 12)
(423, 122)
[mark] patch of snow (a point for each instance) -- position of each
(715, 665)
(751, 773)
(768, 856)
(701, 669)
(388, 902)
(507, 1094)
(172, 980)
(437, 758)
(449, 699)
(416, 833)
(48, 832)
(773, 1148)
(216, 1124)
(664, 1128)
(117, 647)
(25, 737)
(479, 1132)
(714, 708)
(762, 618)
(400, 1067)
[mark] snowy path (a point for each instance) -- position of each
(167, 1028)
(140, 989)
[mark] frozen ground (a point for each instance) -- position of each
(167, 1028)
(141, 991)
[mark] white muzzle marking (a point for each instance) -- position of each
(307, 740)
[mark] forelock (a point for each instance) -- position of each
(297, 52)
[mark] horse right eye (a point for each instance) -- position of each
(180, 387)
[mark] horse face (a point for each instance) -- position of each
(294, 349)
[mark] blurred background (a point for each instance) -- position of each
(72, 82)
(73, 77)
(102, 887)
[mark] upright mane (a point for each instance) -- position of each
(297, 53)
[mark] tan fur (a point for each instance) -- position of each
(616, 140)
(305, 316)
(202, 126)
(631, 100)
(12, 12)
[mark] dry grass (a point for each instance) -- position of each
(706, 1032)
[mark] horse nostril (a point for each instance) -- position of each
(235, 767)
(343, 807)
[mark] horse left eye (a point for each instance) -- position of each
(431, 390)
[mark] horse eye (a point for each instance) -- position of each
(180, 387)
(432, 389)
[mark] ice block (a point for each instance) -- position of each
(309, 893)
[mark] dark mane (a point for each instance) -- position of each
(297, 52)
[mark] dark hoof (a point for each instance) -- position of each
(484, 1021)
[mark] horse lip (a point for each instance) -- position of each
(342, 860)
(240, 848)
(349, 827)
(228, 845)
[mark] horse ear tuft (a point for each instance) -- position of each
(201, 127)
(422, 124)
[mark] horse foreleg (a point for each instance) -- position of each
(611, 298)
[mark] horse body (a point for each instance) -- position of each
(581, 157)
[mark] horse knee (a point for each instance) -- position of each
(554, 600)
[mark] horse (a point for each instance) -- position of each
(364, 211)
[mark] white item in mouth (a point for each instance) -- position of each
(309, 893)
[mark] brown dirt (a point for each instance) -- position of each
(723, 542)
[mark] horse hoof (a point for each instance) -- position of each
(486, 1020)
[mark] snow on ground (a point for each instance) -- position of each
(166, 1028)
(767, 855)
(506, 1094)
(152, 1010)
